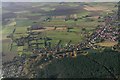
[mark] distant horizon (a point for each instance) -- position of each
(60, 1)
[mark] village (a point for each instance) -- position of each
(43, 52)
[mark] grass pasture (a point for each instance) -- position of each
(64, 36)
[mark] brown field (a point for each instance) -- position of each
(94, 17)
(93, 8)
(50, 29)
(107, 43)
(8, 55)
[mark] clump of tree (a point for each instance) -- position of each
(84, 29)
(69, 29)
(55, 28)
(75, 19)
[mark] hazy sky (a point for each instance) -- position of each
(59, 0)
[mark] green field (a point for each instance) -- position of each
(75, 34)
(57, 18)
(64, 36)
(23, 20)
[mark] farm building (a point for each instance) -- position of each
(36, 27)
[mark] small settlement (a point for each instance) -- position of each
(42, 51)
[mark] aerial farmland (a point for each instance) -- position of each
(60, 40)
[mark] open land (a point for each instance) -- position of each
(65, 40)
